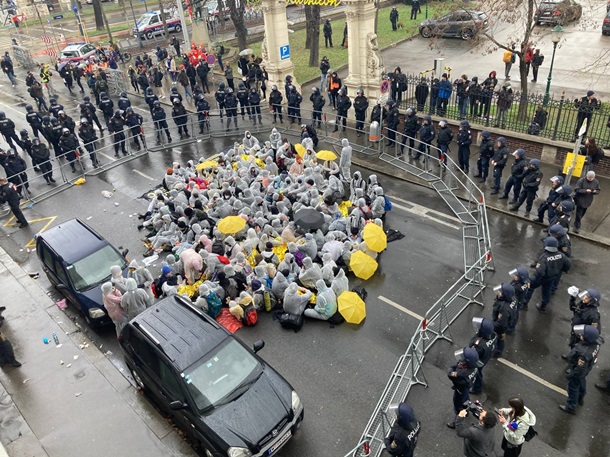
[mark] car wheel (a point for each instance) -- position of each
(149, 35)
(426, 32)
(178, 28)
(467, 34)
(136, 377)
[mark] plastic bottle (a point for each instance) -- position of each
(267, 300)
(55, 338)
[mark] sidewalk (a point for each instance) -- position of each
(68, 400)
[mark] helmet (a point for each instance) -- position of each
(54, 120)
(53, 101)
(465, 123)
(274, 87)
(253, 89)
(2, 115)
(29, 108)
(485, 134)
(23, 132)
(149, 91)
(506, 290)
(229, 91)
(501, 140)
(87, 99)
(588, 332)
(128, 110)
(342, 91)
(174, 90)
(46, 119)
(565, 189)
(593, 295)
(551, 244)
(124, 94)
(11, 152)
(176, 101)
(557, 179)
(221, 86)
(359, 92)
(566, 207)
(521, 153)
(484, 327)
(117, 113)
(61, 113)
(557, 230)
(84, 120)
(390, 103)
(428, 118)
(241, 85)
(315, 90)
(520, 272)
(156, 103)
(200, 97)
(35, 140)
(103, 95)
(442, 123)
(65, 130)
(535, 163)
(467, 354)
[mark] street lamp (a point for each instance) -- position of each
(556, 35)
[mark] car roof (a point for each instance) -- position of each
(183, 332)
(74, 46)
(73, 240)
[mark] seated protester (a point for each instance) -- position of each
(167, 277)
(229, 286)
(268, 255)
(328, 268)
(279, 286)
(326, 303)
(257, 290)
(340, 284)
(296, 299)
(289, 266)
(310, 273)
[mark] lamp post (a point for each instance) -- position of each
(427, 9)
(556, 35)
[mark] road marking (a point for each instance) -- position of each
(32, 242)
(11, 108)
(105, 155)
(142, 174)
(401, 308)
(422, 212)
(425, 209)
(530, 375)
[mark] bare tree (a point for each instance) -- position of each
(314, 30)
(97, 12)
(237, 16)
(308, 29)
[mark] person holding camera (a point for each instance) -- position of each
(516, 422)
(479, 438)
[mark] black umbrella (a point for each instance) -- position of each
(309, 219)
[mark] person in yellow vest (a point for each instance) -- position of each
(509, 59)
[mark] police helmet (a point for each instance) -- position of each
(565, 189)
(200, 97)
(588, 332)
(593, 295)
(117, 113)
(241, 85)
(174, 90)
(53, 101)
(229, 91)
(428, 118)
(442, 123)
(465, 124)
(315, 90)
(87, 99)
(129, 110)
(29, 108)
(484, 327)
(54, 120)
(566, 207)
(551, 244)
(274, 87)
(359, 92)
(103, 95)
(485, 134)
(61, 113)
(221, 86)
(2, 115)
(35, 140)
(23, 132)
(557, 230)
(468, 355)
(176, 101)
(84, 120)
(11, 152)
(535, 163)
(520, 272)
(149, 91)
(506, 290)
(557, 179)
(46, 119)
(520, 152)
(65, 130)
(156, 103)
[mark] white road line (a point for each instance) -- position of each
(401, 308)
(425, 209)
(530, 375)
(423, 213)
(10, 107)
(142, 174)
(106, 155)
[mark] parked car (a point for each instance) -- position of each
(219, 392)
(77, 261)
(151, 24)
(606, 25)
(465, 24)
(557, 12)
(77, 51)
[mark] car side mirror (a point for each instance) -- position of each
(62, 287)
(177, 405)
(258, 345)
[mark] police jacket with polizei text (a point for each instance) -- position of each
(426, 133)
(585, 313)
(68, 142)
(444, 135)
(7, 127)
(520, 289)
(40, 153)
(242, 95)
(464, 375)
(500, 157)
(294, 99)
(133, 119)
(107, 106)
(401, 442)
(411, 125)
(202, 107)
(116, 124)
(318, 101)
(517, 169)
(158, 114)
(550, 264)
(179, 114)
(34, 119)
(486, 148)
(503, 314)
(87, 133)
(582, 358)
(220, 95)
(123, 103)
(464, 138)
(484, 347)
(531, 178)
(343, 104)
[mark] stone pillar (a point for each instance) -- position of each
(276, 36)
(365, 64)
(200, 32)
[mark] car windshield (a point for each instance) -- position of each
(219, 376)
(144, 19)
(94, 268)
(69, 53)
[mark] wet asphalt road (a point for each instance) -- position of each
(340, 372)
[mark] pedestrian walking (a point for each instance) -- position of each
(548, 204)
(479, 438)
(529, 56)
(34, 119)
(328, 34)
(403, 436)
(462, 375)
(220, 51)
(517, 172)
(509, 57)
(9, 195)
(498, 162)
(9, 71)
(394, 18)
(586, 189)
(520, 280)
(7, 128)
(484, 342)
(344, 42)
(586, 106)
(537, 61)
(464, 140)
(516, 422)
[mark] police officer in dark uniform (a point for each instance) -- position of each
(107, 107)
(159, 117)
(41, 154)
(548, 266)
(87, 134)
(581, 358)
(379, 113)
(462, 375)
(586, 311)
(317, 101)
(520, 280)
(230, 104)
(410, 131)
(34, 119)
(503, 314)
(361, 104)
(203, 113)
(343, 105)
(54, 107)
(242, 97)
(517, 172)
(92, 114)
(116, 127)
(392, 122)
(531, 182)
(220, 96)
(69, 144)
(7, 128)
(275, 103)
(180, 117)
(150, 98)
(556, 183)
(254, 100)
(403, 436)
(561, 233)
(563, 214)
(134, 123)
(57, 131)
(484, 342)
(426, 135)
(123, 103)
(498, 162)
(294, 105)
(10, 196)
(486, 152)
(174, 95)
(47, 128)
(66, 121)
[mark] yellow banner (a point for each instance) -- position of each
(580, 163)
(314, 2)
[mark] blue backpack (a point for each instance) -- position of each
(214, 305)
(388, 203)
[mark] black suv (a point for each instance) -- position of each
(557, 12)
(219, 392)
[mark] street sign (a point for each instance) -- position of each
(285, 52)
(75, 8)
(210, 59)
(58, 17)
(385, 87)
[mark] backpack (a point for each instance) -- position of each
(361, 292)
(534, 129)
(336, 319)
(388, 204)
(513, 58)
(250, 315)
(508, 57)
(164, 54)
(291, 321)
(530, 434)
(222, 50)
(214, 304)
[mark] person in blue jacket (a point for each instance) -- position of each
(444, 92)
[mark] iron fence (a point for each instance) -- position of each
(560, 118)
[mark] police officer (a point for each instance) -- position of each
(392, 122)
(203, 113)
(123, 103)
(344, 103)
(57, 131)
(317, 101)
(159, 117)
(520, 280)
(54, 107)
(92, 116)
(116, 127)
(174, 95)
(41, 154)
(107, 107)
(486, 152)
(180, 117)
(87, 134)
(47, 128)
(254, 100)
(66, 121)
(294, 105)
(361, 104)
(242, 97)
(10, 196)
(503, 314)
(134, 123)
(462, 375)
(69, 144)
(561, 233)
(556, 182)
(548, 266)
(230, 104)
(464, 140)
(34, 119)
(563, 214)
(484, 342)
(498, 162)
(403, 436)
(7, 128)
(586, 311)
(581, 358)
(426, 135)
(150, 98)
(275, 103)
(517, 172)
(444, 137)
(220, 96)
(409, 132)
(531, 182)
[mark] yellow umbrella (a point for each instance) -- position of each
(374, 237)
(231, 224)
(300, 149)
(351, 307)
(363, 265)
(326, 155)
(206, 164)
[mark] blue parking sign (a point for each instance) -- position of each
(285, 52)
